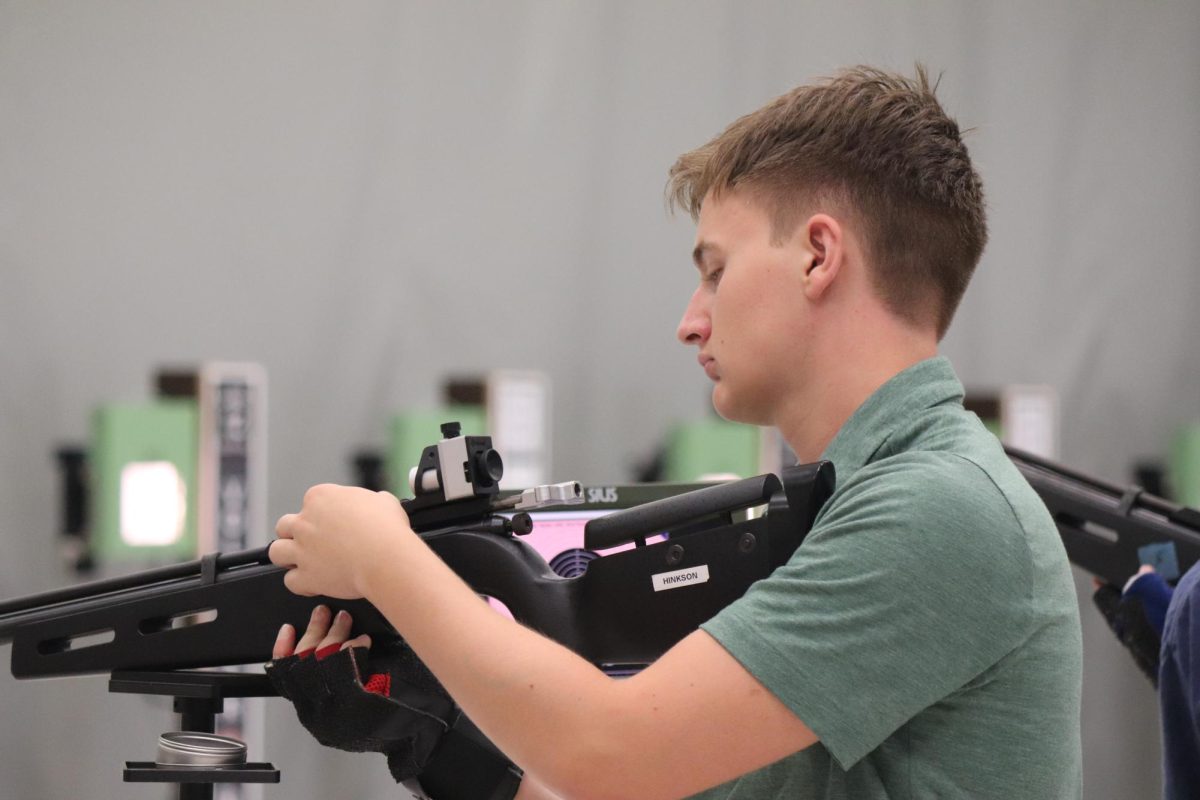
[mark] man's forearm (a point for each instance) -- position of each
(544, 706)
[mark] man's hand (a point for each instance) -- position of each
(390, 703)
(339, 535)
(354, 700)
(319, 636)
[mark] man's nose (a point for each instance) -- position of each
(696, 326)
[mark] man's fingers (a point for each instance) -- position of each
(285, 642)
(338, 632)
(286, 525)
(282, 552)
(318, 626)
(362, 640)
(295, 584)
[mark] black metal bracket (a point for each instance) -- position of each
(199, 697)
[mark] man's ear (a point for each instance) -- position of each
(823, 240)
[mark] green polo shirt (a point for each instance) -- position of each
(927, 630)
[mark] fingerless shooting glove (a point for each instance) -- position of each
(387, 701)
(1136, 616)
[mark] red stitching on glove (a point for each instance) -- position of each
(328, 650)
(380, 683)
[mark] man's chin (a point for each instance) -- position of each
(728, 408)
(724, 404)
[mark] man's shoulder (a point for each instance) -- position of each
(963, 509)
(949, 465)
(921, 512)
(932, 485)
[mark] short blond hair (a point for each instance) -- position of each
(878, 147)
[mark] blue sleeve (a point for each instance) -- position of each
(1179, 692)
(1155, 594)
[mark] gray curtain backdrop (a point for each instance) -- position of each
(368, 196)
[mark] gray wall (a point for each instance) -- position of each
(366, 196)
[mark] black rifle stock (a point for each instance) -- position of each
(226, 609)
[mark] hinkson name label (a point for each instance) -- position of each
(679, 578)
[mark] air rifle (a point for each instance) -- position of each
(627, 608)
(1110, 530)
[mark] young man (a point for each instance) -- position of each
(924, 641)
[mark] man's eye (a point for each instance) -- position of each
(714, 276)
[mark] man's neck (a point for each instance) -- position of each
(814, 417)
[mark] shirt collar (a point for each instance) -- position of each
(924, 385)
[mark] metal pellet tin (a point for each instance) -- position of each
(195, 749)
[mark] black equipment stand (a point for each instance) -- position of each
(199, 697)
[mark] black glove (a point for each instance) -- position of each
(385, 700)
(1127, 617)
(389, 703)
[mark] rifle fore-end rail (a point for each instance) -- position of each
(22, 610)
(219, 611)
(191, 615)
(175, 579)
